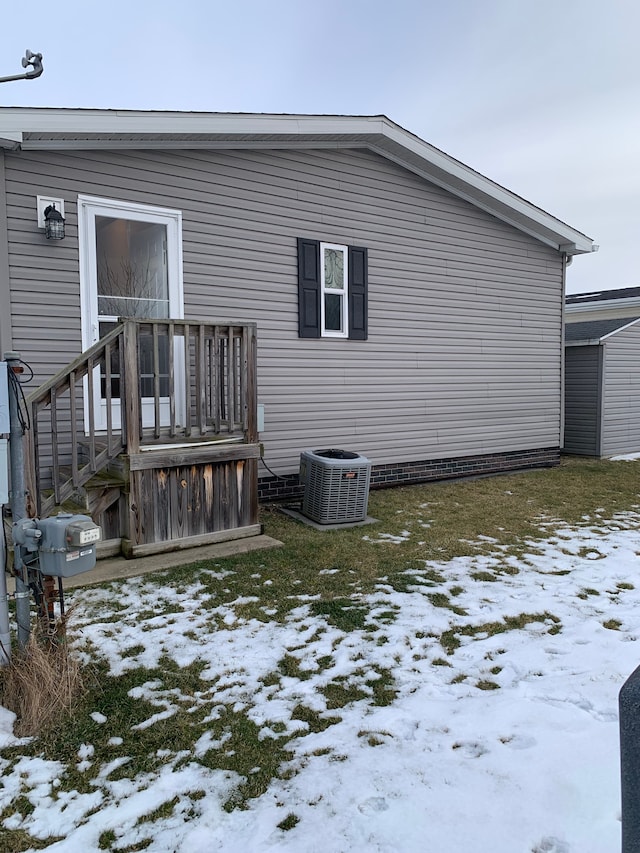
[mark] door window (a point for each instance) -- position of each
(131, 266)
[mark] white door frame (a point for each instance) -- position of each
(88, 208)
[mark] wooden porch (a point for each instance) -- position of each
(152, 432)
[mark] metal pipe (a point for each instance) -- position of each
(5, 636)
(18, 501)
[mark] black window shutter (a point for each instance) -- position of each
(358, 293)
(308, 288)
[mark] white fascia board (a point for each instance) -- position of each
(135, 144)
(603, 305)
(139, 122)
(306, 130)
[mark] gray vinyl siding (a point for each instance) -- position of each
(464, 348)
(621, 416)
(5, 290)
(583, 384)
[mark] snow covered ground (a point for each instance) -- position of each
(500, 739)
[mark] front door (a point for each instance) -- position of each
(131, 267)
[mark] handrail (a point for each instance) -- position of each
(59, 404)
(39, 393)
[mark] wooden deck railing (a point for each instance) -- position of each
(147, 382)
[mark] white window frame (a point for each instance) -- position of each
(333, 333)
(88, 208)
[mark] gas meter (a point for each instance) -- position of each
(66, 543)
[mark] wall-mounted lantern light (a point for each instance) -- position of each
(53, 223)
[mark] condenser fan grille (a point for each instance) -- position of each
(336, 486)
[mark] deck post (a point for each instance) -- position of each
(251, 384)
(130, 399)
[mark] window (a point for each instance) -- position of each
(333, 287)
(332, 290)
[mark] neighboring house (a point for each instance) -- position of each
(603, 305)
(602, 373)
(406, 307)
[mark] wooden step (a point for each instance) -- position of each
(118, 465)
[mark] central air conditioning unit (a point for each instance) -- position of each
(336, 486)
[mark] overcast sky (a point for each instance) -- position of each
(541, 96)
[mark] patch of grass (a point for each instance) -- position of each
(19, 841)
(386, 617)
(243, 751)
(289, 822)
(440, 599)
(107, 839)
(338, 694)
(316, 721)
(132, 651)
(379, 690)
(135, 848)
(586, 592)
(408, 580)
(372, 739)
(624, 585)
(22, 805)
(342, 613)
(612, 624)
(485, 684)
(383, 687)
(289, 666)
(590, 554)
(450, 640)
(484, 576)
(163, 811)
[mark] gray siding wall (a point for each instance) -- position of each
(621, 420)
(582, 404)
(5, 292)
(464, 349)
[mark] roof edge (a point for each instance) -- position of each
(377, 133)
(632, 322)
